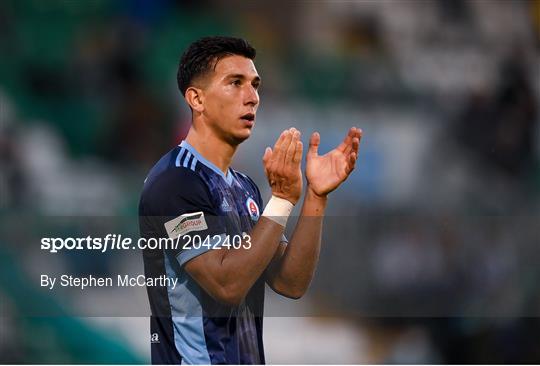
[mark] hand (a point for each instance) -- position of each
(325, 173)
(282, 166)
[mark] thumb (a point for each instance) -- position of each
(314, 144)
(267, 155)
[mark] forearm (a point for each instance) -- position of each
(294, 271)
(240, 268)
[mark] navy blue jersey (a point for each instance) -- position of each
(185, 195)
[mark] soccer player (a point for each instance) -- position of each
(231, 243)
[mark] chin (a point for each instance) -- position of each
(243, 137)
(238, 138)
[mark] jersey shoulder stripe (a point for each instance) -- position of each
(185, 159)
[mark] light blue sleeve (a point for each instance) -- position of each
(188, 254)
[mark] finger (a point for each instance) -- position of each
(359, 134)
(356, 141)
(350, 145)
(279, 141)
(278, 155)
(345, 144)
(298, 152)
(284, 147)
(294, 133)
(354, 145)
(289, 159)
(267, 156)
(314, 142)
(351, 163)
(267, 161)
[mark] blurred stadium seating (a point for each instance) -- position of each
(431, 248)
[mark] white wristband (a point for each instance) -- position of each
(278, 210)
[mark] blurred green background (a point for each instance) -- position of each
(441, 212)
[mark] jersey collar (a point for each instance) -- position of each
(228, 178)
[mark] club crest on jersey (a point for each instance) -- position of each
(186, 223)
(253, 209)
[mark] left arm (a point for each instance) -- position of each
(293, 266)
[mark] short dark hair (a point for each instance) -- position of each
(203, 54)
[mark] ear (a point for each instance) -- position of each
(195, 98)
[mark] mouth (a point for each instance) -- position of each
(248, 117)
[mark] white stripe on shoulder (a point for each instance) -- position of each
(193, 163)
(186, 160)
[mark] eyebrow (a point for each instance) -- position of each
(241, 76)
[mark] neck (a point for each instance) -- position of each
(213, 149)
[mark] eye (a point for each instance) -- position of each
(236, 82)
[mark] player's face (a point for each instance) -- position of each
(231, 98)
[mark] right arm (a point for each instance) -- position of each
(227, 275)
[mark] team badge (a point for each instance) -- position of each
(253, 209)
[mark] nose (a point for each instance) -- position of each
(252, 96)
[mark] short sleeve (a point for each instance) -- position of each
(180, 208)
